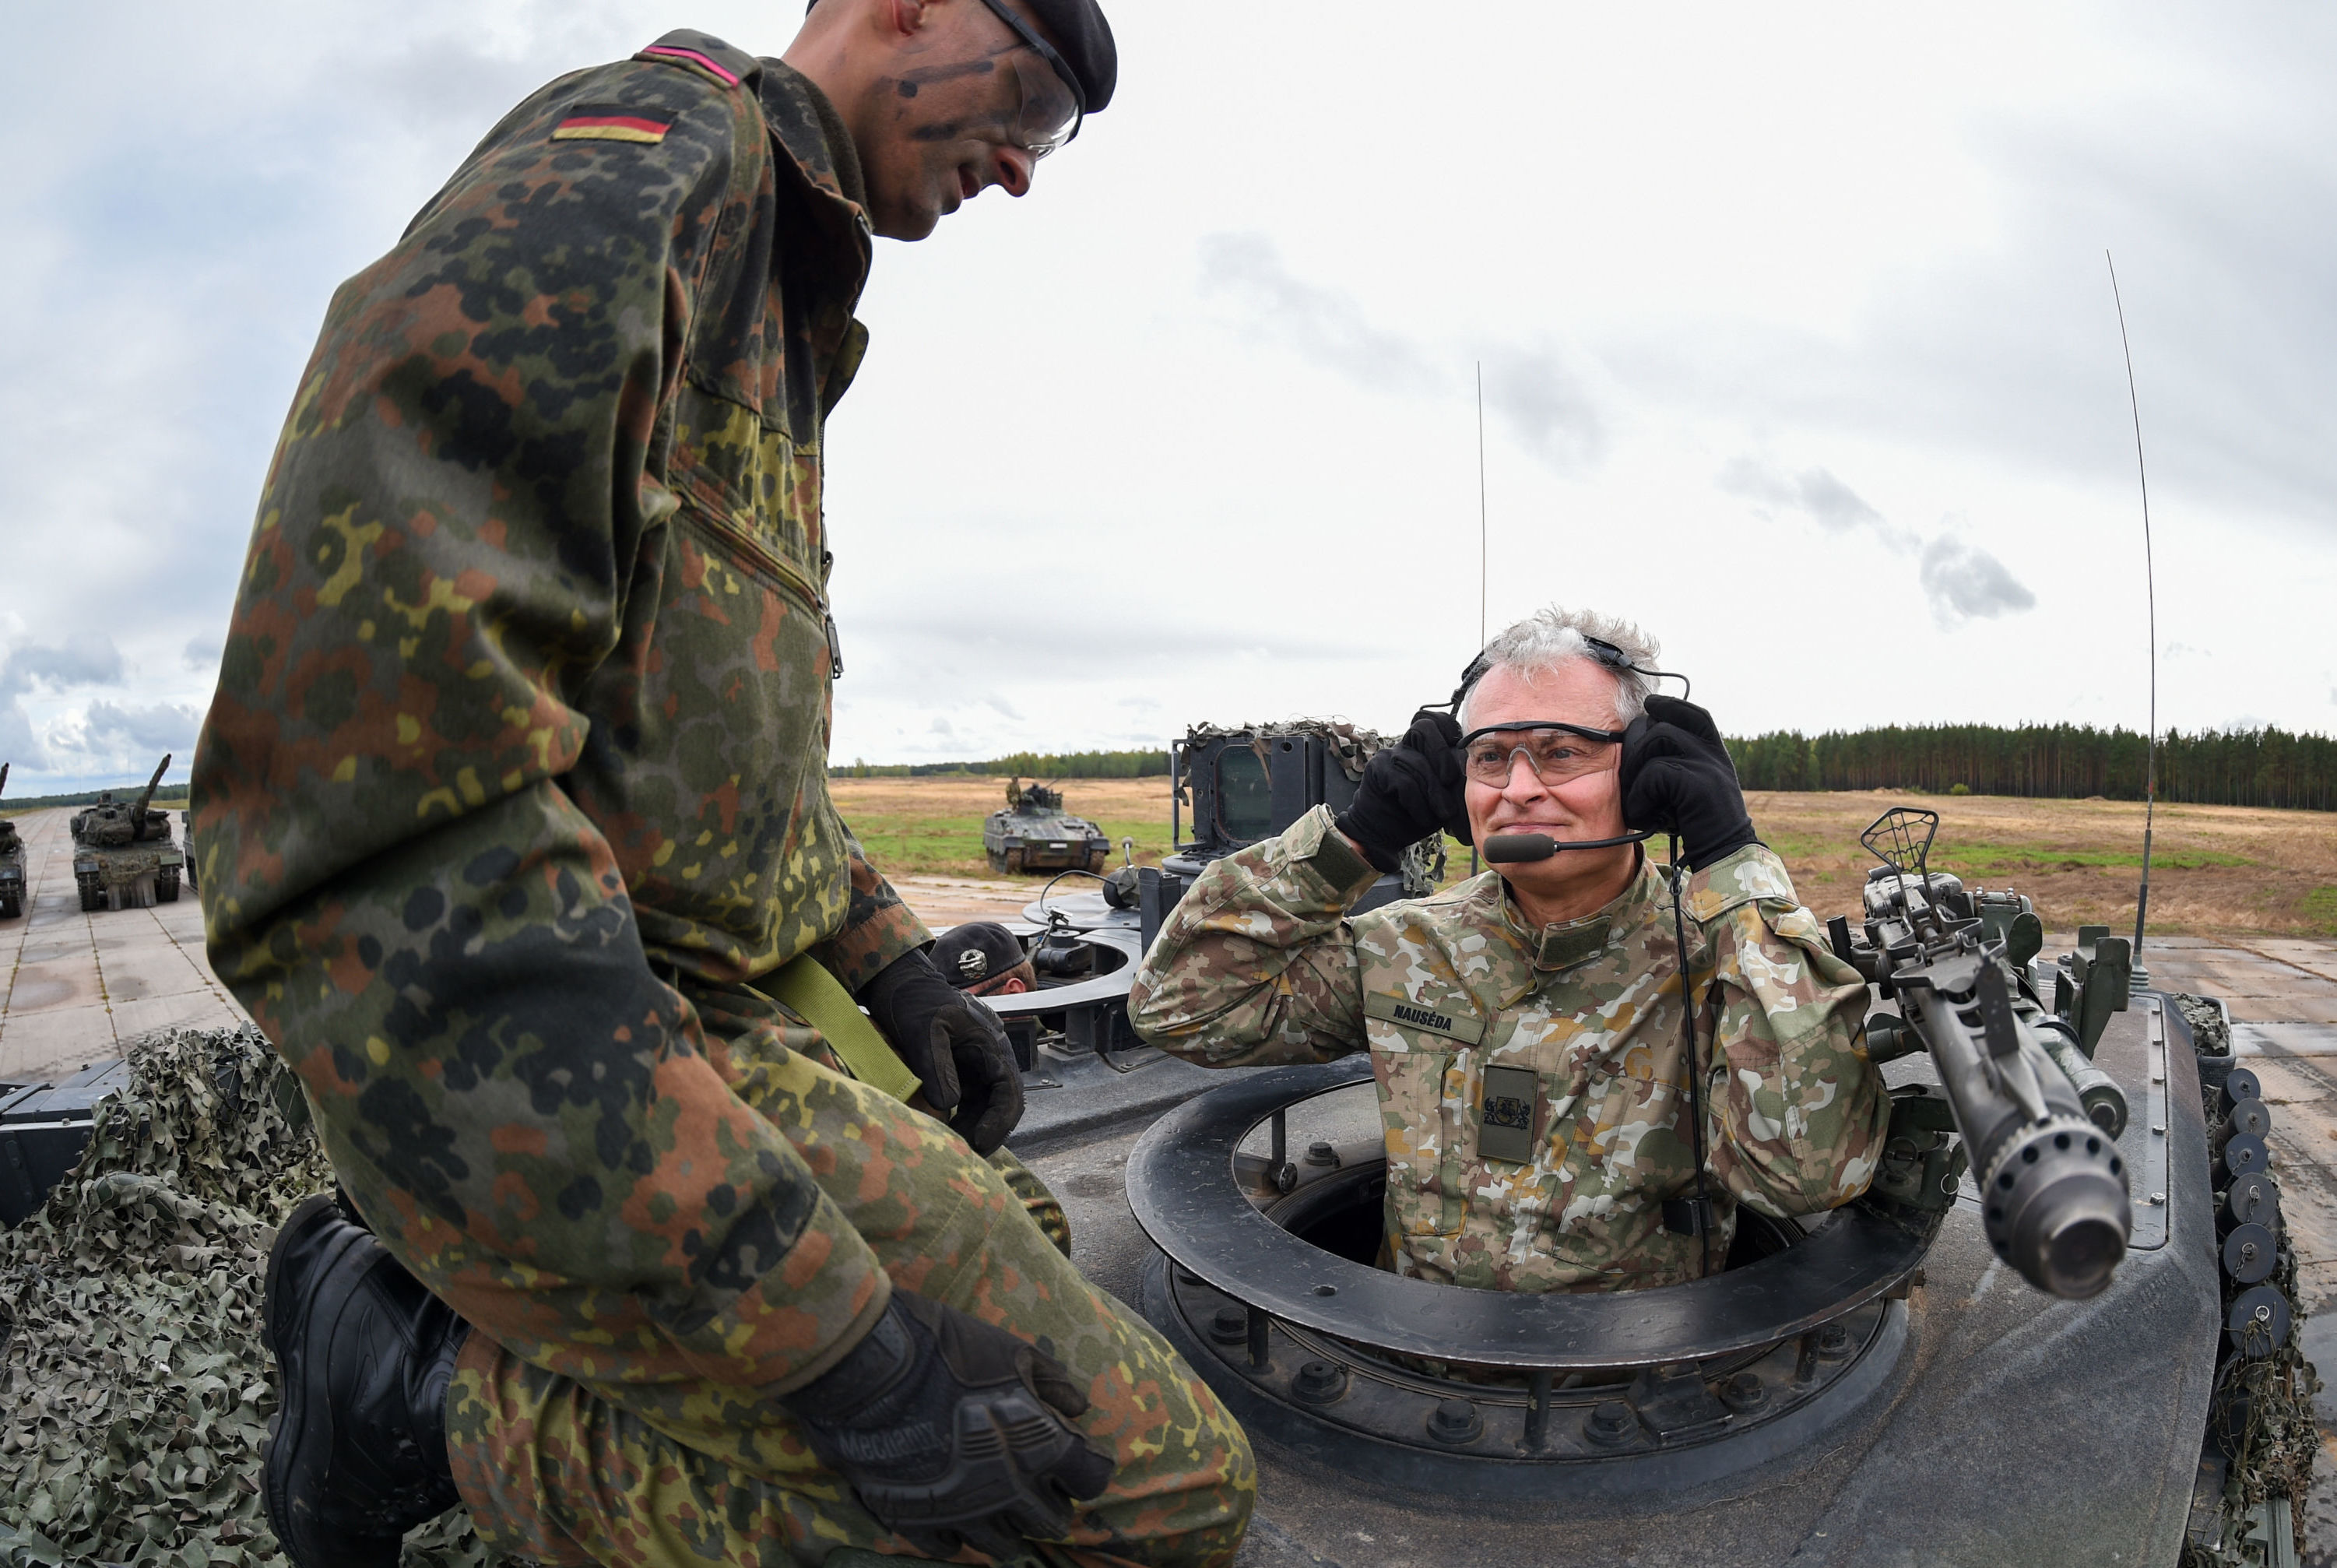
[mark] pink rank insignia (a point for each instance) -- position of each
(614, 123)
(675, 54)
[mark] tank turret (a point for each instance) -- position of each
(124, 857)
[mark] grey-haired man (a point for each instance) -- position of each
(1525, 1026)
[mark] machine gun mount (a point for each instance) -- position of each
(2052, 1185)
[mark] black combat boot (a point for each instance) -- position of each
(356, 1456)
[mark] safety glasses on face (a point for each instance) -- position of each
(1558, 753)
(1052, 104)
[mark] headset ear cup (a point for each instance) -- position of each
(1682, 714)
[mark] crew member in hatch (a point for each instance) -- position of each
(1524, 1026)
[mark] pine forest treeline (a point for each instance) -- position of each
(1022, 764)
(2268, 767)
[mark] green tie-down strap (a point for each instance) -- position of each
(807, 988)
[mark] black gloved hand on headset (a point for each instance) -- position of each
(1676, 778)
(1409, 791)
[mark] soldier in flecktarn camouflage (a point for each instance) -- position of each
(1525, 1026)
(517, 843)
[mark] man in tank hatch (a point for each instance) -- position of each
(520, 848)
(1525, 1026)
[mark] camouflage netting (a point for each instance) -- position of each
(134, 1392)
(2261, 1412)
(2210, 1034)
(1422, 864)
(2267, 1406)
(1351, 744)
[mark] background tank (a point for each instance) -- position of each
(11, 862)
(123, 855)
(1036, 833)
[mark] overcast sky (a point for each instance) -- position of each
(1797, 344)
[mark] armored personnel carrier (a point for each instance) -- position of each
(11, 862)
(1034, 833)
(123, 855)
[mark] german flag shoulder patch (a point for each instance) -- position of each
(614, 123)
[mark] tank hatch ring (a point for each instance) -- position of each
(1604, 1395)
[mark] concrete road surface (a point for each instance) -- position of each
(72, 986)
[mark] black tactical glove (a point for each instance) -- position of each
(1409, 791)
(1676, 778)
(944, 1425)
(955, 1045)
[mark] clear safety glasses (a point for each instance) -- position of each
(1558, 753)
(1052, 104)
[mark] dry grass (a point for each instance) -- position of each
(2213, 867)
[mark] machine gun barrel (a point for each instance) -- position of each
(2053, 1190)
(2042, 1138)
(146, 798)
(2037, 1120)
(4, 777)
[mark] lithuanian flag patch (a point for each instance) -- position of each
(614, 123)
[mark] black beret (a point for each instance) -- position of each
(978, 951)
(1083, 38)
(1080, 33)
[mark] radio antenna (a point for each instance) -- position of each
(2150, 587)
(1480, 546)
(1480, 503)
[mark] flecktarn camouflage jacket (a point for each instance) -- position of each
(1259, 963)
(515, 779)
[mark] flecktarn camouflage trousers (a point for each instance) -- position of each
(569, 1471)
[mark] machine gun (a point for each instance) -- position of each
(2039, 1123)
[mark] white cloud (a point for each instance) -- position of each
(112, 732)
(1194, 426)
(1962, 580)
(83, 659)
(1968, 583)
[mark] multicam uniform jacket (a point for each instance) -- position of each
(1259, 963)
(515, 783)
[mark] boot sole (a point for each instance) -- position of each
(301, 1413)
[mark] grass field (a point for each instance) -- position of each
(2213, 867)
